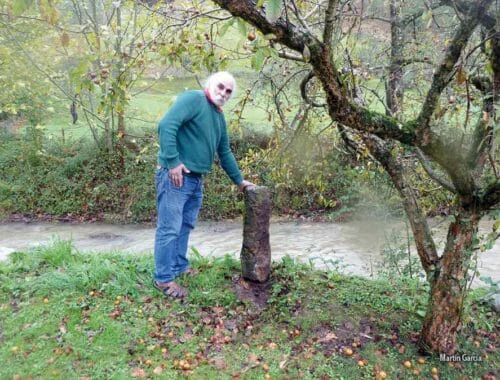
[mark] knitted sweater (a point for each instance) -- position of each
(192, 132)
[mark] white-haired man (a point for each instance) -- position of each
(190, 134)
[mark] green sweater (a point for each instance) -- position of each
(192, 132)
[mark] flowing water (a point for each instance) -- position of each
(353, 247)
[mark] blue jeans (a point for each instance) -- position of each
(177, 209)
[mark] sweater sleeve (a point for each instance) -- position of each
(180, 112)
(226, 157)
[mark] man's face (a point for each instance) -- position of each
(220, 92)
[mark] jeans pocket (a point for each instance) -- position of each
(160, 176)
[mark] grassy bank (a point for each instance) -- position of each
(73, 316)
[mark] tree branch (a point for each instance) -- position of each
(339, 106)
(463, 6)
(290, 56)
(491, 196)
(301, 20)
(426, 248)
(329, 20)
(443, 74)
(303, 91)
(430, 171)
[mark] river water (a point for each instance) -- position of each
(352, 247)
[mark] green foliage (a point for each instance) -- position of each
(46, 176)
(300, 177)
(397, 258)
(75, 179)
(24, 92)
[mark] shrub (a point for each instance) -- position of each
(43, 176)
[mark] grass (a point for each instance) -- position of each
(73, 316)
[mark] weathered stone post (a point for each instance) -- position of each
(256, 250)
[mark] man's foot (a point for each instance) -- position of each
(171, 289)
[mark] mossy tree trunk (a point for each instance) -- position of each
(395, 80)
(449, 285)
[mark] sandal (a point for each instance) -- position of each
(172, 290)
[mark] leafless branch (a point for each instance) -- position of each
(443, 74)
(290, 56)
(329, 20)
(430, 171)
(303, 91)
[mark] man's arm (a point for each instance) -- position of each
(229, 164)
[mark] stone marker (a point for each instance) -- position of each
(256, 250)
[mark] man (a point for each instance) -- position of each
(190, 134)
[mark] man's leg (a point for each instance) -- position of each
(190, 215)
(170, 204)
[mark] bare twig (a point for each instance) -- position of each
(443, 74)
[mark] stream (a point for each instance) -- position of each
(352, 247)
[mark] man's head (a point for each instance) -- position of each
(220, 86)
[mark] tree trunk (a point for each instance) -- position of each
(448, 286)
(426, 249)
(256, 250)
(120, 149)
(395, 80)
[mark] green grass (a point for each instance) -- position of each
(68, 315)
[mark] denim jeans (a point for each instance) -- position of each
(177, 209)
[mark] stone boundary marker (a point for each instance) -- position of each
(256, 250)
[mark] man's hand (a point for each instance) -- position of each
(245, 184)
(176, 174)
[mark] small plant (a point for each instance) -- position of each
(397, 259)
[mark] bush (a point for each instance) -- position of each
(75, 179)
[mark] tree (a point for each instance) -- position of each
(93, 53)
(22, 96)
(464, 154)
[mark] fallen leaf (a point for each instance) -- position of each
(253, 358)
(244, 284)
(138, 372)
(218, 363)
(328, 337)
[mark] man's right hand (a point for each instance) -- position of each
(176, 174)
